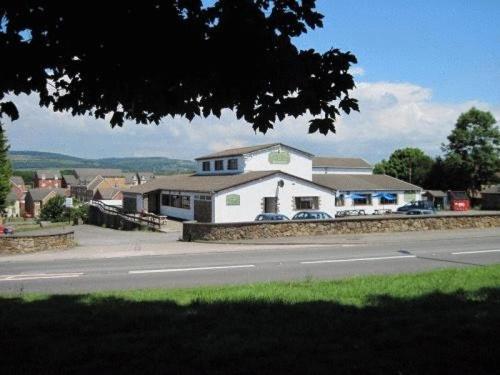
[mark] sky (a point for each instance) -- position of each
(420, 64)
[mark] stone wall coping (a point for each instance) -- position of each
(343, 219)
(29, 235)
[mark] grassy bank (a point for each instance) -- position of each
(21, 225)
(437, 322)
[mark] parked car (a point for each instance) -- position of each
(420, 211)
(6, 230)
(425, 205)
(311, 215)
(270, 216)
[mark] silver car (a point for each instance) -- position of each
(311, 215)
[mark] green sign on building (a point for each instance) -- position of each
(279, 157)
(232, 200)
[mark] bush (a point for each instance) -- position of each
(80, 211)
(54, 210)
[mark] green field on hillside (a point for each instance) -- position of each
(32, 160)
(440, 322)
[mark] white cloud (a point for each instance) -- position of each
(393, 115)
(357, 71)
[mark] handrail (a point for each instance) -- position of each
(148, 219)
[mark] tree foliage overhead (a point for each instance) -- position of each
(5, 170)
(408, 164)
(146, 60)
(473, 149)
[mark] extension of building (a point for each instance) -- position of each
(238, 184)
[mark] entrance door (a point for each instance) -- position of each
(271, 205)
(203, 211)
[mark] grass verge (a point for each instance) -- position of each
(34, 227)
(444, 321)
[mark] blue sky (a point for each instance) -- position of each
(450, 46)
(421, 63)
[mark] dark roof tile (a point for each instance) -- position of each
(204, 183)
(334, 162)
(362, 182)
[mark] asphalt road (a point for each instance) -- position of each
(383, 255)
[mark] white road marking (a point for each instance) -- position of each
(357, 259)
(38, 276)
(192, 269)
(476, 252)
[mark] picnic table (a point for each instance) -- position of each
(382, 211)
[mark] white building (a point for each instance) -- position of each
(239, 184)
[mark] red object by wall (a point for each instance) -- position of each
(459, 201)
(460, 205)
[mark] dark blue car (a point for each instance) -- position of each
(419, 205)
(270, 216)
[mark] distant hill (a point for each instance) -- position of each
(31, 160)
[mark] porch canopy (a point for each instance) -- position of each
(388, 196)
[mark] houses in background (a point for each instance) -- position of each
(47, 178)
(36, 198)
(16, 197)
(138, 178)
(83, 184)
(110, 196)
(89, 181)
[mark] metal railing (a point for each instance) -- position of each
(148, 219)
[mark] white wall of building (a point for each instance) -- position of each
(139, 202)
(14, 209)
(330, 170)
(252, 194)
(300, 164)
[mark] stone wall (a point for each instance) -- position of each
(26, 243)
(193, 231)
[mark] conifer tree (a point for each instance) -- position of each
(5, 169)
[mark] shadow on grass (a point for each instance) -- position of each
(438, 333)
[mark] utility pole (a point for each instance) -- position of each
(409, 172)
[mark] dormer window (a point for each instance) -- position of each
(219, 165)
(206, 166)
(232, 164)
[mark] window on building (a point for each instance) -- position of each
(203, 197)
(206, 166)
(178, 201)
(175, 201)
(165, 200)
(186, 202)
(232, 164)
(340, 200)
(361, 199)
(389, 199)
(409, 196)
(219, 165)
(306, 203)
